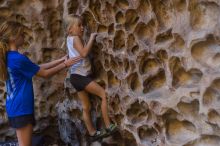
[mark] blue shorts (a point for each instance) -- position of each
(21, 121)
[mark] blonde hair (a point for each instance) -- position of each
(70, 20)
(9, 30)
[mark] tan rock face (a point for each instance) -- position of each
(157, 60)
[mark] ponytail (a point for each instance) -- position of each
(8, 30)
(3, 50)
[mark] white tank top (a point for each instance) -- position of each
(83, 67)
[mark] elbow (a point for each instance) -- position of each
(83, 55)
(45, 74)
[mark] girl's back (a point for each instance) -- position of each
(83, 67)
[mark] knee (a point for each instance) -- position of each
(103, 95)
(86, 108)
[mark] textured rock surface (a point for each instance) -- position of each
(158, 61)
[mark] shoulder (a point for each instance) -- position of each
(16, 57)
(73, 38)
(23, 60)
(24, 57)
(70, 39)
(77, 39)
(18, 60)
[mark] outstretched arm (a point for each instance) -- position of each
(83, 51)
(51, 71)
(53, 63)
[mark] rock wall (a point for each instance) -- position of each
(157, 60)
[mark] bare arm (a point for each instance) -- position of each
(53, 63)
(83, 51)
(51, 71)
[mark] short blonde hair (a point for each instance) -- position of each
(71, 20)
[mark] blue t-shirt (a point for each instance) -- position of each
(20, 95)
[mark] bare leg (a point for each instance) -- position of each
(24, 135)
(96, 89)
(86, 111)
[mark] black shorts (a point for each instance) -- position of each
(79, 82)
(21, 121)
